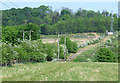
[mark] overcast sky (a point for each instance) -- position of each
(109, 5)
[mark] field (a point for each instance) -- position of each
(61, 71)
(79, 38)
(80, 69)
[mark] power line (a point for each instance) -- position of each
(13, 4)
(5, 4)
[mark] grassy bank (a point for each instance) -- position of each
(87, 55)
(61, 71)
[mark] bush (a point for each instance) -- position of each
(71, 46)
(105, 55)
(8, 54)
(37, 56)
(61, 54)
(49, 50)
(23, 55)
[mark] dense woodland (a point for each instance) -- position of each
(46, 21)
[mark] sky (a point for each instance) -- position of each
(95, 5)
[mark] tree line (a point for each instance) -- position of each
(43, 20)
(65, 21)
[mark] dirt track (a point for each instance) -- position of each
(73, 56)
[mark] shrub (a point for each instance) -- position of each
(105, 55)
(71, 46)
(37, 56)
(49, 50)
(61, 54)
(23, 55)
(8, 54)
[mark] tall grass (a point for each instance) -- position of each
(61, 71)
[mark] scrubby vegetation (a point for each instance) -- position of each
(29, 51)
(71, 46)
(105, 55)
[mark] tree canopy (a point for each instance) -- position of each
(46, 21)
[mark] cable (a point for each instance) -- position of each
(5, 4)
(13, 4)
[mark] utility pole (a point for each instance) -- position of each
(24, 34)
(65, 48)
(58, 45)
(30, 35)
(112, 22)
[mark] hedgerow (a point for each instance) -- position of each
(30, 51)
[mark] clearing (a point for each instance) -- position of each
(79, 38)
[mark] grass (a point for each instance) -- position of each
(81, 35)
(61, 71)
(86, 56)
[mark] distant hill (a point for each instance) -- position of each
(65, 22)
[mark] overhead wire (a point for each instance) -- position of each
(13, 4)
(4, 4)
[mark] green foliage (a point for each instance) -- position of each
(51, 21)
(50, 52)
(86, 56)
(8, 54)
(71, 46)
(37, 56)
(105, 55)
(65, 70)
(64, 11)
(113, 45)
(11, 34)
(33, 51)
(61, 53)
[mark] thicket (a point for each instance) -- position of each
(29, 51)
(70, 45)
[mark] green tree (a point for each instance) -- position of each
(71, 46)
(64, 11)
(105, 55)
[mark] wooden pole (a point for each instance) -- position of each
(30, 36)
(23, 35)
(58, 45)
(65, 48)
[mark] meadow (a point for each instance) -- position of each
(61, 71)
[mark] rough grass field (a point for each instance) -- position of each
(79, 38)
(61, 71)
(87, 55)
